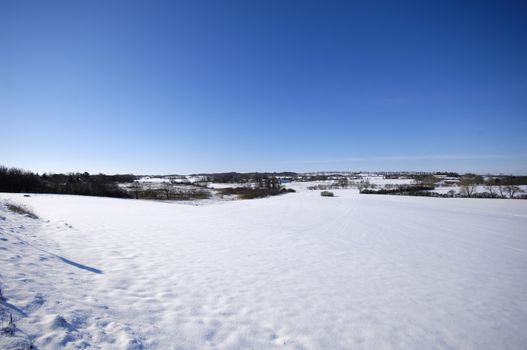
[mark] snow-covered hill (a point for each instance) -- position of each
(298, 271)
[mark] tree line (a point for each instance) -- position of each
(496, 187)
(234, 177)
(18, 180)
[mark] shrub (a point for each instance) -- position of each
(245, 192)
(176, 195)
(251, 193)
(191, 195)
(406, 190)
(287, 190)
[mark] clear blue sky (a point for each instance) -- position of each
(206, 86)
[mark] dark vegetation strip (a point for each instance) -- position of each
(17, 180)
(22, 210)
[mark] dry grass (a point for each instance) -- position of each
(22, 210)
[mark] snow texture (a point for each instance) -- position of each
(297, 271)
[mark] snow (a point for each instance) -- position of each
(382, 182)
(153, 180)
(220, 185)
(297, 271)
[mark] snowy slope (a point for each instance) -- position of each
(298, 271)
(46, 292)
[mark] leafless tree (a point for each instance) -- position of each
(343, 182)
(511, 190)
(136, 188)
(363, 185)
(501, 190)
(166, 187)
(468, 184)
(491, 189)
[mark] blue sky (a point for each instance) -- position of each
(207, 86)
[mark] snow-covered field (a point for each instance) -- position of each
(297, 271)
(217, 185)
(381, 181)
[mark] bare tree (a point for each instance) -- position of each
(343, 182)
(495, 187)
(364, 185)
(501, 190)
(136, 188)
(511, 190)
(469, 184)
(491, 189)
(166, 187)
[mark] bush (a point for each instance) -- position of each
(191, 195)
(326, 194)
(287, 190)
(175, 195)
(251, 193)
(245, 192)
(405, 190)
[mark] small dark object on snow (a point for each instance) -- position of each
(10, 329)
(27, 195)
(326, 194)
